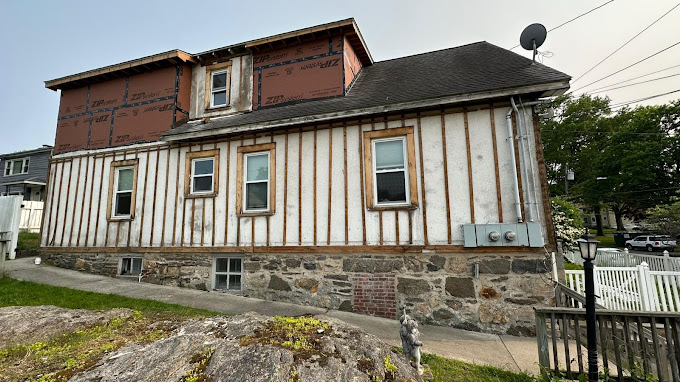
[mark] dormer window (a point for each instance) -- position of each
(219, 88)
(217, 82)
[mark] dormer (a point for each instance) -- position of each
(306, 64)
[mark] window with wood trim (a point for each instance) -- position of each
(256, 179)
(201, 174)
(389, 169)
(130, 266)
(122, 190)
(217, 83)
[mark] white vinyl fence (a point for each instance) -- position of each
(31, 215)
(608, 257)
(631, 288)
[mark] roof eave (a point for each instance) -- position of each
(546, 90)
(124, 68)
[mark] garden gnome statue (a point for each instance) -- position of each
(409, 334)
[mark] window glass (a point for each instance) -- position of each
(257, 167)
(235, 282)
(235, 265)
(203, 166)
(221, 282)
(123, 203)
(131, 266)
(220, 98)
(256, 196)
(203, 184)
(16, 167)
(219, 80)
(389, 155)
(391, 187)
(221, 264)
(125, 179)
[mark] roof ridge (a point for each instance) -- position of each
(434, 51)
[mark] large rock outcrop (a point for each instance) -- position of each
(251, 347)
(28, 324)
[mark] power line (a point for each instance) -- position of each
(642, 99)
(577, 17)
(627, 67)
(635, 83)
(634, 78)
(626, 43)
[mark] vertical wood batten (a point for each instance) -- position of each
(165, 197)
(75, 202)
(89, 204)
(330, 183)
(285, 189)
(146, 178)
(56, 166)
(469, 163)
(177, 197)
(66, 203)
(421, 170)
(300, 187)
(495, 164)
(344, 148)
(226, 196)
(155, 190)
(99, 199)
(446, 176)
(314, 181)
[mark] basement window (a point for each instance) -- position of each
(130, 266)
(390, 168)
(228, 273)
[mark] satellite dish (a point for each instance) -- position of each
(533, 37)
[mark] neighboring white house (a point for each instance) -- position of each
(295, 168)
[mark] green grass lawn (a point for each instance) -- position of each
(28, 240)
(572, 267)
(450, 370)
(14, 292)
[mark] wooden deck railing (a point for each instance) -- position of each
(630, 343)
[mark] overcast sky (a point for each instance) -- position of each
(43, 40)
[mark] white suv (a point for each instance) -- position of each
(651, 243)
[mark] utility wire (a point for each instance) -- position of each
(626, 43)
(629, 66)
(634, 83)
(634, 78)
(642, 99)
(567, 22)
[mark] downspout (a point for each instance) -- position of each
(532, 156)
(511, 141)
(523, 160)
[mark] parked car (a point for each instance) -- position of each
(651, 243)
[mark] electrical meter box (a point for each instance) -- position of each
(503, 235)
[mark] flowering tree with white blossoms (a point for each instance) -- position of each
(568, 222)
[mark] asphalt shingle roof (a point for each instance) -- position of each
(472, 68)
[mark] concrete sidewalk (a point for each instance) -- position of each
(507, 352)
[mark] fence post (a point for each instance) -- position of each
(596, 282)
(643, 281)
(542, 340)
(626, 255)
(666, 261)
(554, 266)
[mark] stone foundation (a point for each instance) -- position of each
(436, 288)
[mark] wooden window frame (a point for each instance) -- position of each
(112, 174)
(209, 70)
(240, 183)
(227, 273)
(407, 133)
(188, 169)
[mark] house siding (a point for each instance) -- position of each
(322, 246)
(165, 218)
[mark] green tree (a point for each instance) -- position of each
(666, 218)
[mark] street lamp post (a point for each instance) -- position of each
(587, 245)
